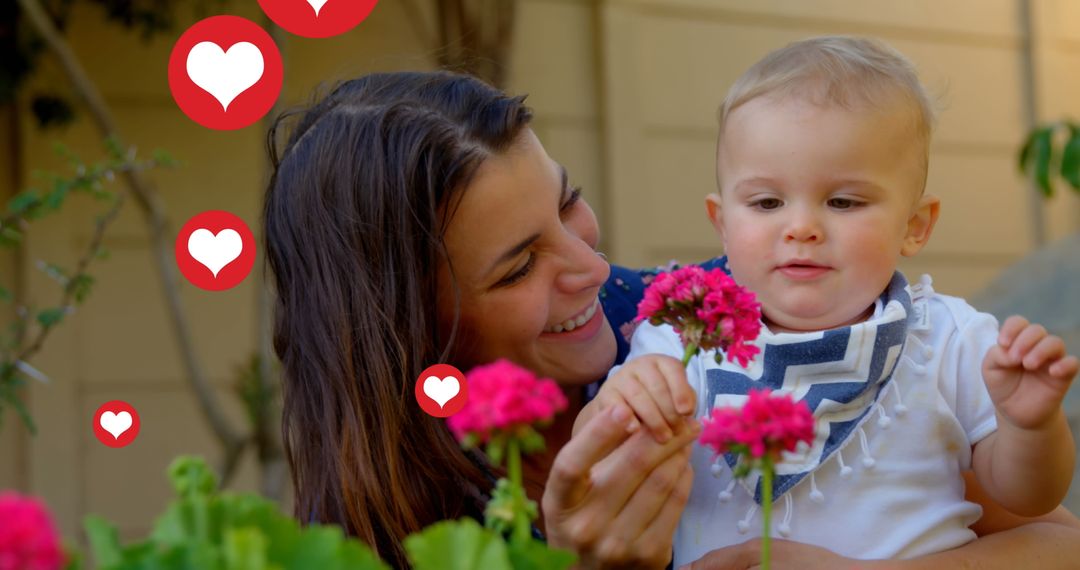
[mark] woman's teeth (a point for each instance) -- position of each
(571, 324)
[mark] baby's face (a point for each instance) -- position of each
(815, 207)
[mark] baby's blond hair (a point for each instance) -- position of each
(836, 70)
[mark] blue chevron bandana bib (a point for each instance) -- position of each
(840, 373)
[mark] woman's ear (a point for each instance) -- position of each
(714, 208)
(920, 225)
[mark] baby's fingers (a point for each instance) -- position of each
(1009, 331)
(1025, 341)
(1048, 349)
(683, 396)
(1065, 368)
(640, 398)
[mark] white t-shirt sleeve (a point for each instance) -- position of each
(961, 379)
(651, 339)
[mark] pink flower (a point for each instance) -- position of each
(505, 397)
(707, 309)
(764, 426)
(28, 538)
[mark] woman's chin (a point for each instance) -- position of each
(583, 363)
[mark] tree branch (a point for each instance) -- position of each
(150, 205)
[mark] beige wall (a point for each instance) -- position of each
(624, 93)
(668, 65)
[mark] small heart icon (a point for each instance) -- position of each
(442, 390)
(116, 424)
(215, 251)
(225, 74)
(317, 5)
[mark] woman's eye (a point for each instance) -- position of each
(843, 203)
(575, 196)
(519, 274)
(767, 204)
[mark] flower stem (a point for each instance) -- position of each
(520, 534)
(766, 508)
(691, 350)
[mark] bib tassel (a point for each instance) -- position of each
(867, 460)
(789, 511)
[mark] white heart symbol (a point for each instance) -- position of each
(224, 74)
(317, 4)
(441, 390)
(116, 424)
(215, 251)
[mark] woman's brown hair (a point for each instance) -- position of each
(354, 217)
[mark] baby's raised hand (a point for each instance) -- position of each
(1027, 373)
(656, 389)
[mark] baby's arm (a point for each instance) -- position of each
(652, 382)
(1027, 465)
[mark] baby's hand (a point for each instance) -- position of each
(1027, 373)
(655, 387)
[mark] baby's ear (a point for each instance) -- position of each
(920, 225)
(714, 209)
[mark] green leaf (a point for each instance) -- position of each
(10, 236)
(495, 448)
(5, 295)
(163, 158)
(114, 148)
(51, 317)
(103, 539)
(457, 545)
(55, 199)
(24, 201)
(536, 555)
(1041, 155)
(1070, 158)
(80, 287)
(245, 549)
(73, 557)
(191, 477)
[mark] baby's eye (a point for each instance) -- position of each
(767, 204)
(843, 203)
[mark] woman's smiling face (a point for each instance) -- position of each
(522, 244)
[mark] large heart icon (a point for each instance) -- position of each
(317, 5)
(225, 74)
(215, 251)
(116, 424)
(442, 390)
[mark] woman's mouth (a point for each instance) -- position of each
(577, 321)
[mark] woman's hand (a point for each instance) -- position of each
(783, 554)
(614, 498)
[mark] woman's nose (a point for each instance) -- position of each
(583, 268)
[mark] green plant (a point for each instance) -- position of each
(1049, 151)
(27, 334)
(209, 530)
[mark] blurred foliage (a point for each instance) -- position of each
(1052, 151)
(205, 529)
(209, 530)
(26, 335)
(21, 48)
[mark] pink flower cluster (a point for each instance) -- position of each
(708, 310)
(28, 539)
(764, 426)
(504, 397)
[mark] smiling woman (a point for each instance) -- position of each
(413, 219)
